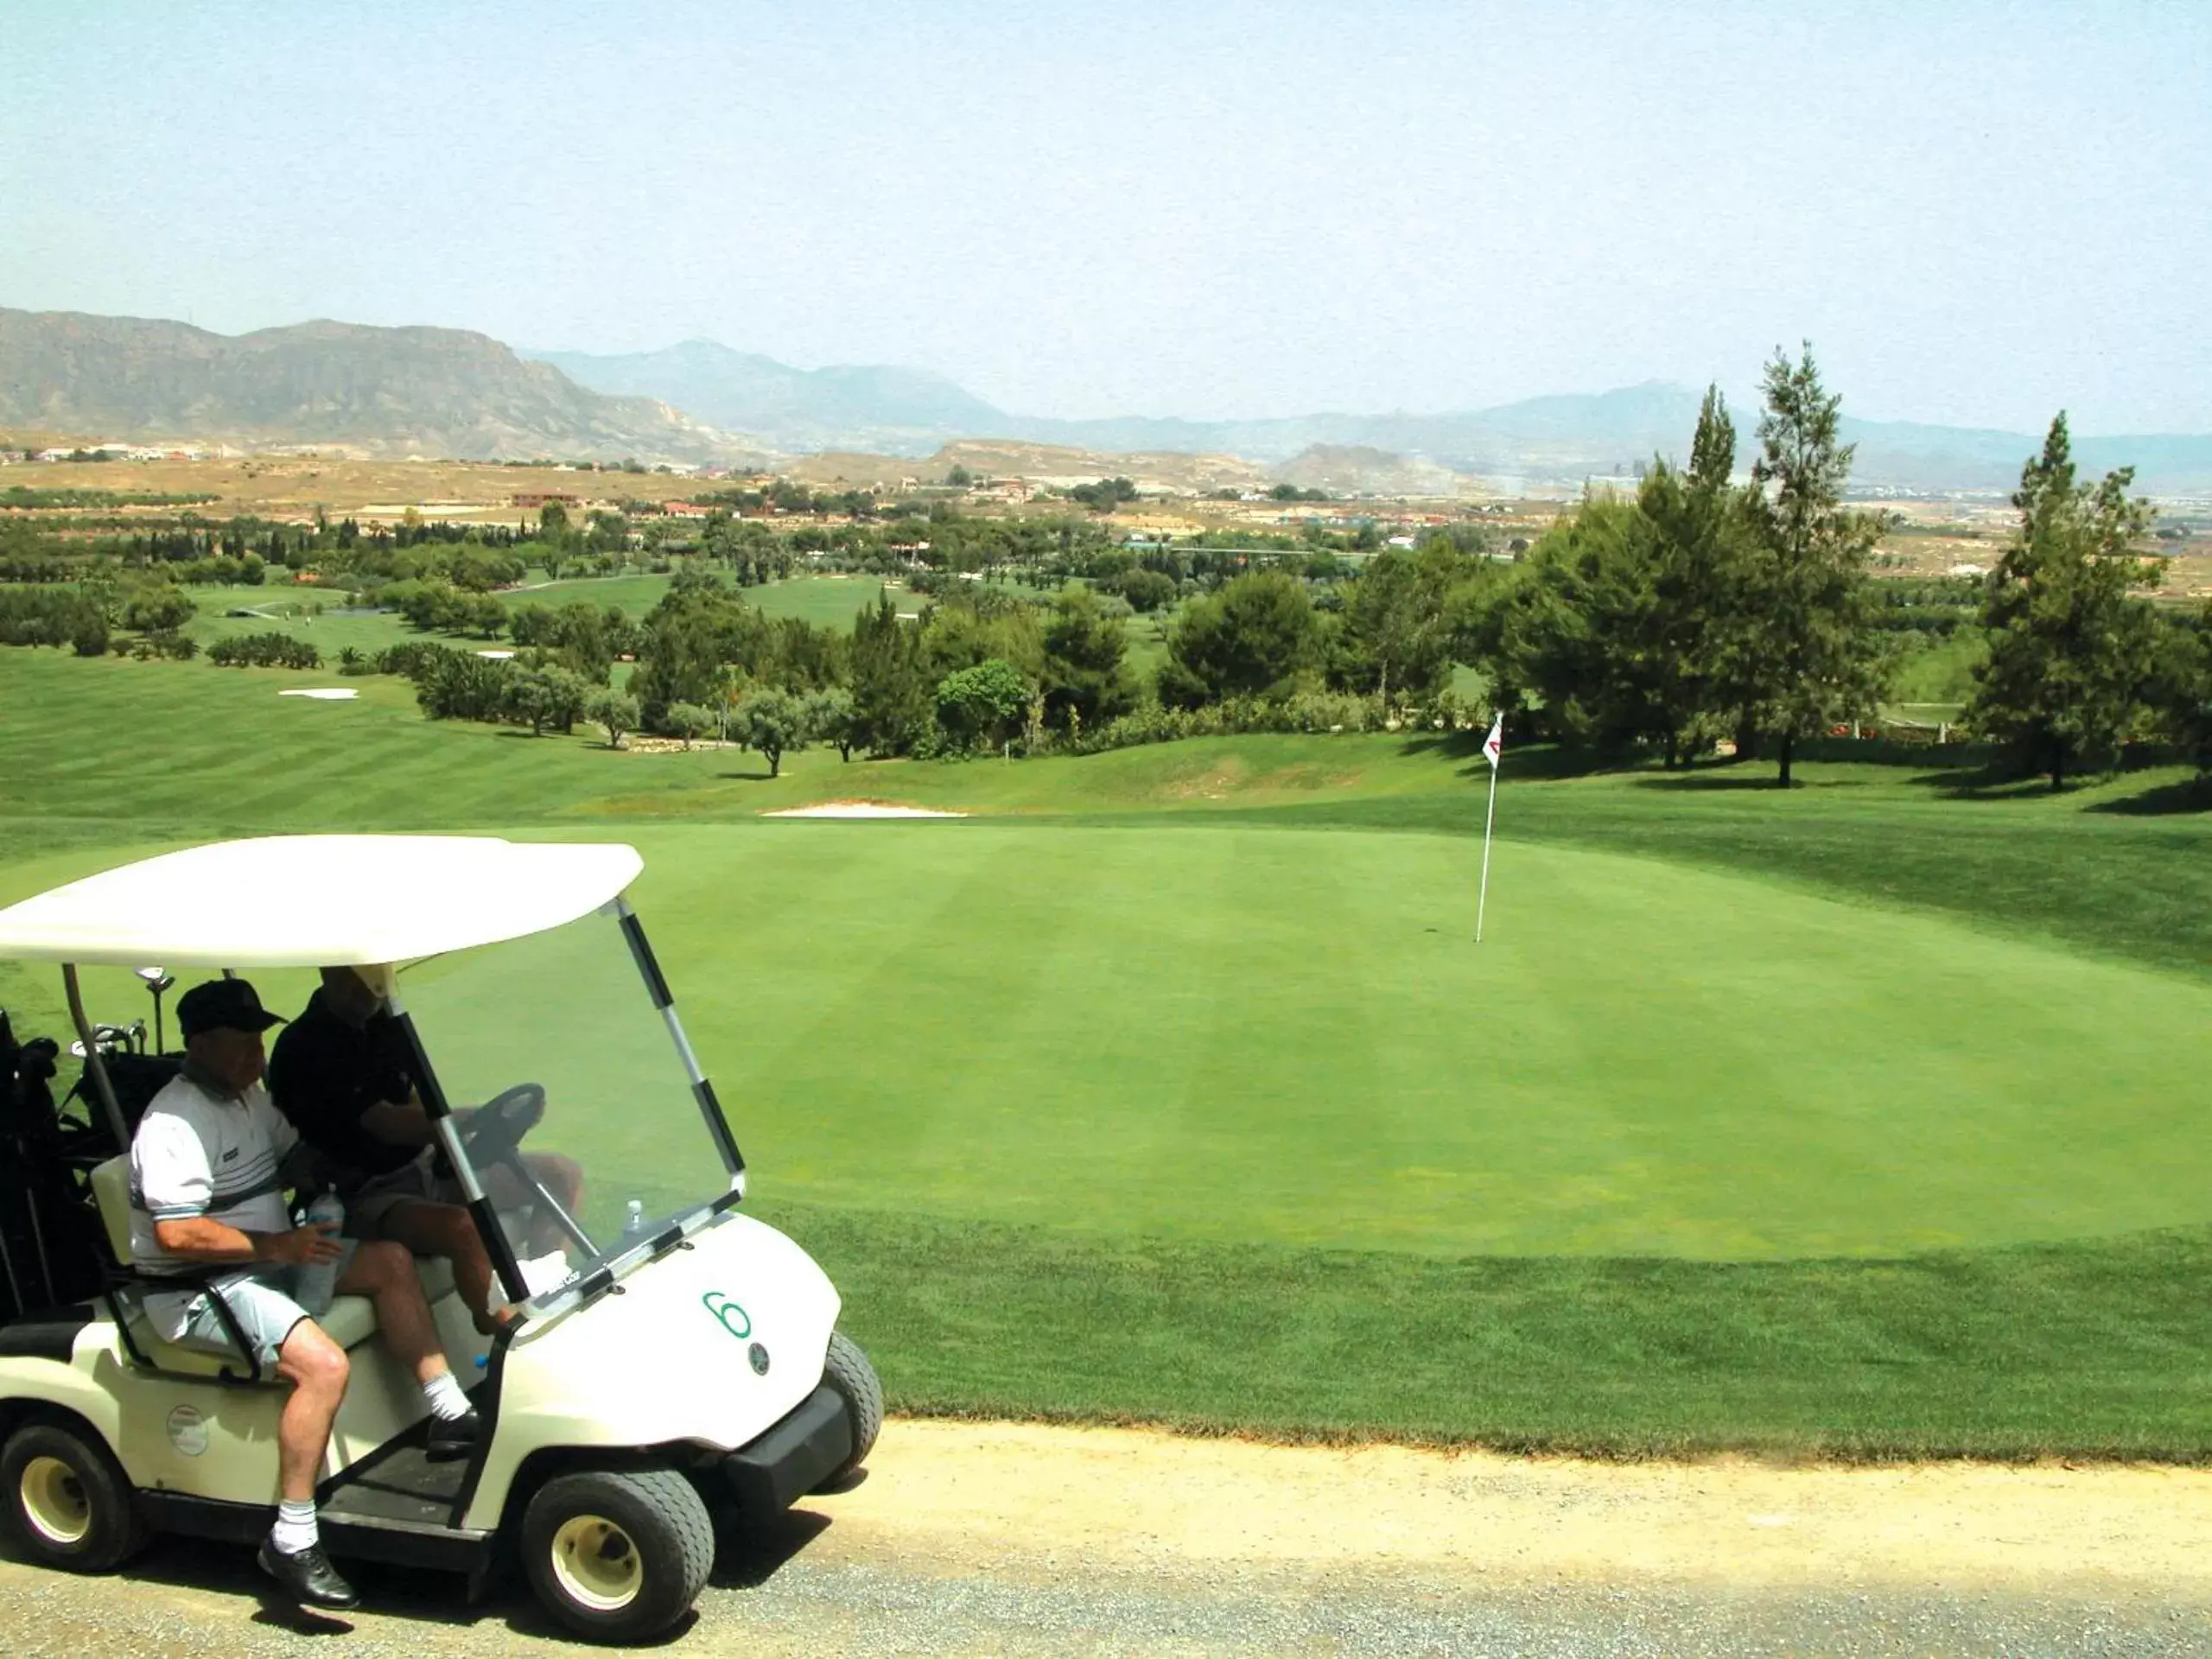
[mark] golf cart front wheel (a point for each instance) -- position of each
(847, 1370)
(68, 1505)
(618, 1556)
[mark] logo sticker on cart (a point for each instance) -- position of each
(731, 1318)
(188, 1431)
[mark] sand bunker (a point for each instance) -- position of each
(858, 809)
(326, 694)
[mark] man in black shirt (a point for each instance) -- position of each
(342, 1073)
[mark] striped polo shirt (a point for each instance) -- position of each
(201, 1152)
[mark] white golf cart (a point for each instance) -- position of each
(671, 1357)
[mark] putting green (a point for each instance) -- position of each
(1275, 1035)
(1251, 1034)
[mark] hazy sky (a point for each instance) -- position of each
(1978, 212)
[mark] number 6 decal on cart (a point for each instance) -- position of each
(734, 1318)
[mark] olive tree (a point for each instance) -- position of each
(831, 719)
(771, 719)
(614, 711)
(689, 720)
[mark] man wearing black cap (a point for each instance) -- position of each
(207, 1189)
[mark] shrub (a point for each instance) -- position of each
(982, 704)
(162, 609)
(269, 649)
(689, 720)
(49, 616)
(460, 685)
(542, 696)
(1145, 590)
(175, 647)
(413, 659)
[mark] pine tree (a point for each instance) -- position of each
(891, 701)
(1712, 451)
(2072, 655)
(1810, 653)
(1699, 523)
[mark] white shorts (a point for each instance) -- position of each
(265, 1304)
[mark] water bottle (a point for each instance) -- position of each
(633, 1224)
(318, 1280)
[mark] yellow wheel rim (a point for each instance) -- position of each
(597, 1564)
(54, 1502)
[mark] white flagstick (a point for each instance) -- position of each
(1493, 746)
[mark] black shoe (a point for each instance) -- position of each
(455, 1437)
(307, 1577)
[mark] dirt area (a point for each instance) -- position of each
(1011, 1538)
(293, 487)
(962, 1493)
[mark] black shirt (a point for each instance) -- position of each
(323, 1074)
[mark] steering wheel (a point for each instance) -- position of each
(494, 1131)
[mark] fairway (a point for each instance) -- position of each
(827, 601)
(1862, 1118)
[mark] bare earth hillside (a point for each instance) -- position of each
(377, 392)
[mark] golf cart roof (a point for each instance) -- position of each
(304, 901)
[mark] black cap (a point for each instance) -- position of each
(223, 1005)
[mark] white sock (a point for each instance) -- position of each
(294, 1529)
(447, 1401)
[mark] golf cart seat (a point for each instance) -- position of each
(350, 1321)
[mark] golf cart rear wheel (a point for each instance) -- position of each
(618, 1556)
(847, 1370)
(68, 1505)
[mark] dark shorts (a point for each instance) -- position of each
(370, 1204)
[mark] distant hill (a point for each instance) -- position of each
(1539, 443)
(377, 391)
(874, 408)
(447, 392)
(1359, 469)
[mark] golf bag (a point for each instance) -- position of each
(136, 1079)
(49, 1239)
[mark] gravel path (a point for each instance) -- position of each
(1000, 1539)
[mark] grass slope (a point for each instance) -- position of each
(2082, 1350)
(1157, 1098)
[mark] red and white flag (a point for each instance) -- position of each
(1493, 746)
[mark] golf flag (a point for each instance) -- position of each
(1493, 746)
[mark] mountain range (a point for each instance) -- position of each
(450, 393)
(1543, 442)
(428, 391)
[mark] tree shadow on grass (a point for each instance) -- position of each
(1992, 781)
(761, 777)
(2188, 795)
(1718, 780)
(1997, 783)
(1533, 760)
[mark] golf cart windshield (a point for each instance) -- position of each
(587, 1134)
